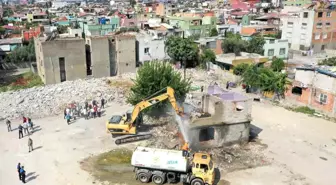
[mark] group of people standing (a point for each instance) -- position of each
(89, 110)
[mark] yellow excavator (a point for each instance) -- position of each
(127, 124)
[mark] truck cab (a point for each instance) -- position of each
(203, 168)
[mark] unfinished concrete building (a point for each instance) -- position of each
(74, 58)
(60, 60)
(110, 56)
(226, 120)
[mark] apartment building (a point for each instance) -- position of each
(310, 29)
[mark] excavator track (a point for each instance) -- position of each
(131, 139)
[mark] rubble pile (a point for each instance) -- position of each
(49, 100)
(239, 157)
(164, 129)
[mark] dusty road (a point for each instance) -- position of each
(302, 150)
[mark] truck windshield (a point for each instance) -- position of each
(211, 165)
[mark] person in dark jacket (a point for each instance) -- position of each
(20, 131)
(23, 174)
(18, 167)
(102, 103)
(9, 127)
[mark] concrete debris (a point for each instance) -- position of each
(50, 100)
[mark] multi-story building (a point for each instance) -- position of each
(77, 58)
(164, 9)
(149, 48)
(99, 26)
(299, 3)
(310, 29)
(194, 25)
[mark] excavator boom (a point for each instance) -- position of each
(122, 126)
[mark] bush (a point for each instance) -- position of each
(153, 77)
(240, 69)
(277, 64)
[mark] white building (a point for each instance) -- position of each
(150, 47)
(275, 48)
(297, 28)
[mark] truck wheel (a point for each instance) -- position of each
(197, 182)
(143, 177)
(157, 179)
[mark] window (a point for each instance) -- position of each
(327, 24)
(322, 47)
(325, 35)
(297, 90)
(272, 41)
(146, 50)
(319, 25)
(305, 14)
(290, 23)
(61, 61)
(328, 14)
(317, 36)
(271, 52)
(205, 167)
(206, 134)
(304, 24)
(323, 98)
(282, 51)
(320, 14)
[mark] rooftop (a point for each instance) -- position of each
(229, 57)
(11, 41)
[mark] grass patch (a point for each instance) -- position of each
(117, 156)
(304, 109)
(22, 81)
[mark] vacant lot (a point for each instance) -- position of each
(301, 150)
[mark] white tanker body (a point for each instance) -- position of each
(172, 166)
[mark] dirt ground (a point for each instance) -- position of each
(300, 150)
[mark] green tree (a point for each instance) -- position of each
(132, 3)
(265, 79)
(155, 76)
(256, 45)
(233, 45)
(195, 36)
(207, 56)
(277, 64)
(240, 69)
(7, 12)
(183, 50)
(62, 29)
(22, 54)
(213, 32)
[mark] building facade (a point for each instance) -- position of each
(315, 88)
(68, 63)
(311, 29)
(77, 58)
(275, 48)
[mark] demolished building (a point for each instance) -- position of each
(225, 119)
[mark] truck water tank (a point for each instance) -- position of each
(153, 158)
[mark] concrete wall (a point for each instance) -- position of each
(73, 52)
(100, 56)
(304, 76)
(125, 53)
(221, 135)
